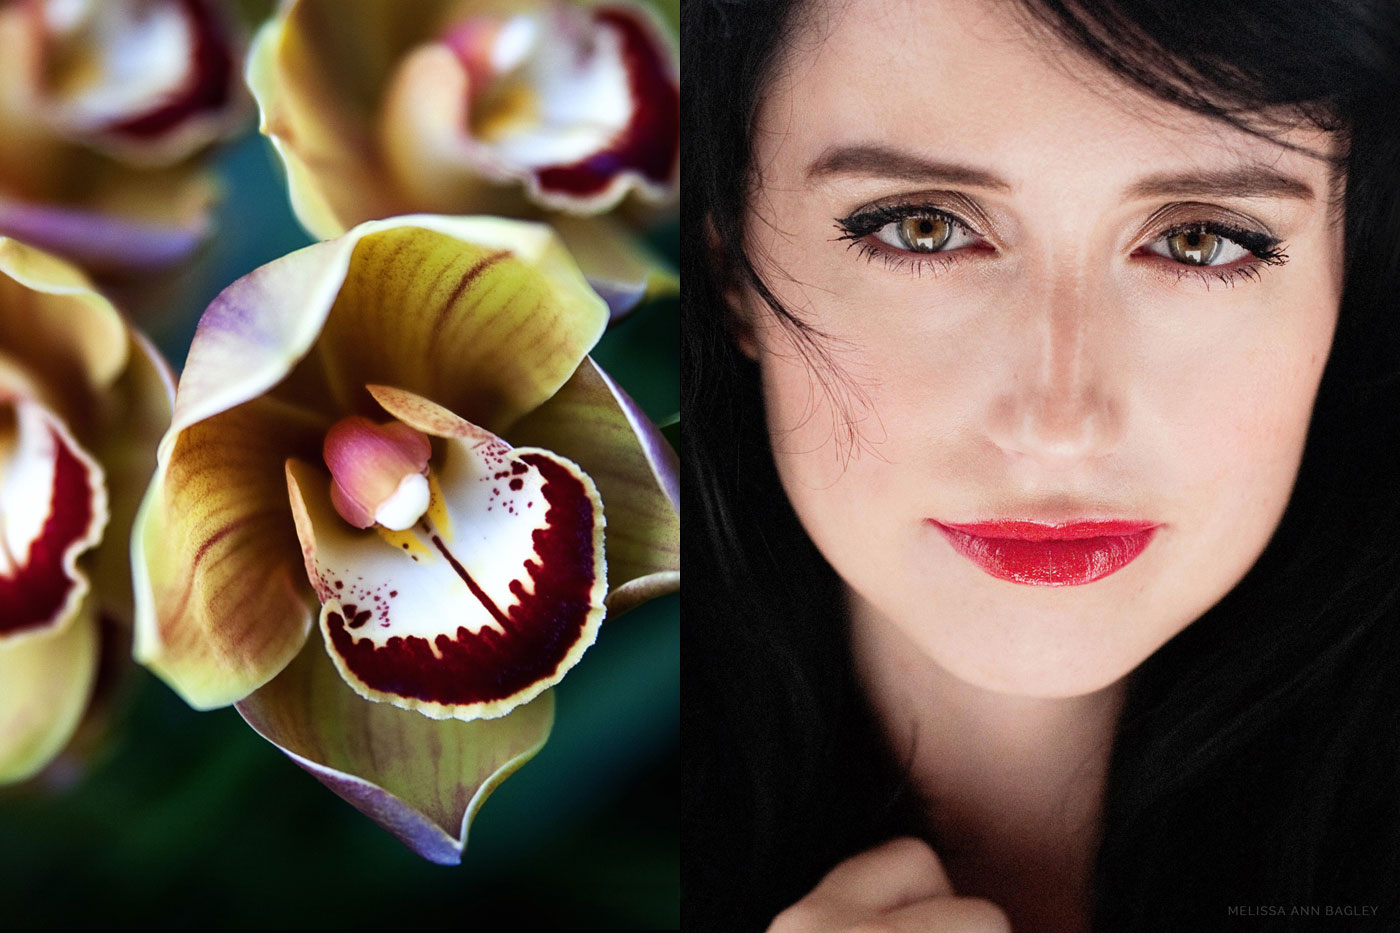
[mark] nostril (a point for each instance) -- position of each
(1056, 427)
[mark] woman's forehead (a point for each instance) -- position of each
(976, 83)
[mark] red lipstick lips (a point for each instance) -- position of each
(1050, 554)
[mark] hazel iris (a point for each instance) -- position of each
(1194, 247)
(924, 234)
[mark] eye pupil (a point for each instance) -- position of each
(1194, 247)
(924, 234)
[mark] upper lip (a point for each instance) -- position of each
(1073, 530)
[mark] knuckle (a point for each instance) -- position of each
(908, 848)
(799, 918)
(870, 925)
(987, 917)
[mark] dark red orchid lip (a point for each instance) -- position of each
(209, 85)
(1034, 553)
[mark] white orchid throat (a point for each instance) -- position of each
(490, 594)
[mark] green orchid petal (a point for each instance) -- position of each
(45, 683)
(593, 422)
(221, 602)
(421, 779)
(489, 599)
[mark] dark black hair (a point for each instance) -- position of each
(1257, 760)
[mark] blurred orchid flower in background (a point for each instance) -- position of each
(106, 107)
(83, 401)
(542, 109)
(397, 436)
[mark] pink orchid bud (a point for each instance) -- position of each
(380, 472)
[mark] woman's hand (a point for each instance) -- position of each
(897, 886)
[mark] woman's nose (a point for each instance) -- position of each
(1061, 400)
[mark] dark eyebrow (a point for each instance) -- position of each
(884, 162)
(878, 161)
(1249, 181)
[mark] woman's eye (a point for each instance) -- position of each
(1198, 247)
(925, 233)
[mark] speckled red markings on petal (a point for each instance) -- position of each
(651, 140)
(534, 634)
(485, 602)
(53, 507)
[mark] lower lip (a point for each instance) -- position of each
(1050, 555)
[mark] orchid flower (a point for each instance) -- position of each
(542, 109)
(396, 437)
(83, 400)
(105, 106)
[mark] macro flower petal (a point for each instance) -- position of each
(45, 682)
(620, 268)
(467, 107)
(153, 80)
(486, 317)
(316, 116)
(58, 326)
(101, 241)
(416, 302)
(138, 405)
(105, 106)
(53, 508)
(421, 779)
(578, 103)
(221, 605)
(484, 603)
(593, 422)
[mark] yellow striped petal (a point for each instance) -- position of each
(221, 598)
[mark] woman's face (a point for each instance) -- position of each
(1073, 337)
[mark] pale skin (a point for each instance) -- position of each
(1059, 347)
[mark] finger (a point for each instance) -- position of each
(902, 871)
(947, 915)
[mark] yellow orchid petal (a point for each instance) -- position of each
(411, 301)
(55, 321)
(486, 317)
(435, 164)
(617, 264)
(45, 683)
(221, 602)
(423, 780)
(488, 600)
(310, 114)
(594, 423)
(139, 404)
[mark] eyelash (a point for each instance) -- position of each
(860, 228)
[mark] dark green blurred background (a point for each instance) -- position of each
(191, 819)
